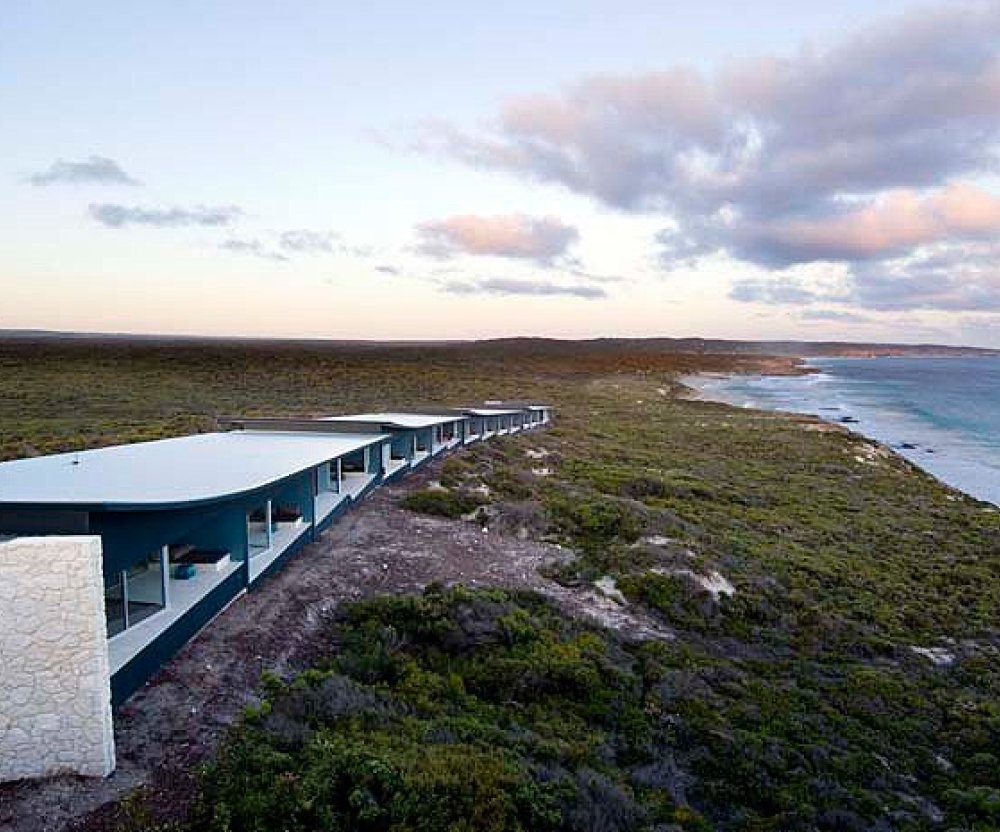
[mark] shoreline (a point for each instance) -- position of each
(696, 389)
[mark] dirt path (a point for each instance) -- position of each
(177, 720)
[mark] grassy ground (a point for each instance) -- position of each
(68, 395)
(797, 702)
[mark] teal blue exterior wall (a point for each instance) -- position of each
(128, 537)
(226, 531)
(402, 444)
(375, 460)
(43, 520)
(298, 492)
(425, 439)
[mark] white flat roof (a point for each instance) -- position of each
(492, 411)
(187, 469)
(533, 406)
(403, 420)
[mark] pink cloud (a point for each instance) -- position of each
(515, 235)
(895, 222)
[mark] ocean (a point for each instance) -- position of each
(942, 414)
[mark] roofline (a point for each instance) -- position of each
(435, 410)
(438, 419)
(156, 506)
(519, 405)
(346, 423)
(160, 506)
(376, 438)
(475, 410)
(298, 423)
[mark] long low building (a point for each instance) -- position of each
(186, 524)
(176, 529)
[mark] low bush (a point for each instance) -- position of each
(643, 488)
(676, 597)
(442, 503)
(594, 522)
(455, 710)
(490, 710)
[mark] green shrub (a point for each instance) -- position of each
(676, 597)
(498, 714)
(508, 483)
(643, 488)
(441, 503)
(593, 523)
(453, 472)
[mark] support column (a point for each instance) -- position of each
(123, 584)
(165, 574)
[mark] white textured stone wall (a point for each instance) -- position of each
(55, 691)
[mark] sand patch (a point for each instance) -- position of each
(938, 656)
(609, 588)
(714, 583)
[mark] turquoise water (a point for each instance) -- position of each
(943, 414)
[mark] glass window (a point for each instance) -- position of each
(114, 606)
(354, 462)
(258, 533)
(134, 594)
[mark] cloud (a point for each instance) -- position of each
(773, 292)
(253, 247)
(889, 226)
(385, 269)
(955, 278)
(909, 103)
(285, 245)
(361, 251)
(519, 286)
(864, 151)
(112, 215)
(836, 315)
(302, 241)
(307, 242)
(97, 170)
(515, 236)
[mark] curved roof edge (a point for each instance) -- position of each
(180, 472)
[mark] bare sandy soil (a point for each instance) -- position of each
(179, 718)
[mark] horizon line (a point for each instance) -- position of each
(55, 334)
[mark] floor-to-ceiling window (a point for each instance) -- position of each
(134, 594)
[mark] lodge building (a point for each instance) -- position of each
(168, 533)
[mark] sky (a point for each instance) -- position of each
(393, 170)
